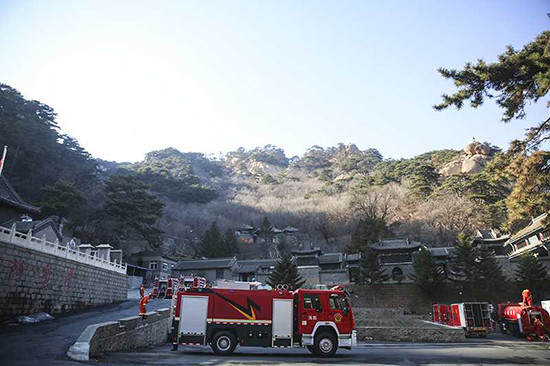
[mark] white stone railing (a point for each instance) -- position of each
(11, 236)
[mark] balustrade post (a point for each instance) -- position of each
(12, 233)
(29, 238)
(42, 242)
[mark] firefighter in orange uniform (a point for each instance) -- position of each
(527, 298)
(142, 304)
(141, 291)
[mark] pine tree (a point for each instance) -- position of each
(368, 231)
(492, 279)
(266, 229)
(370, 271)
(132, 210)
(230, 245)
(518, 78)
(423, 181)
(427, 276)
(531, 274)
(212, 243)
(465, 269)
(286, 273)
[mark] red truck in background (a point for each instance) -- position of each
(441, 313)
(473, 317)
(523, 320)
(321, 320)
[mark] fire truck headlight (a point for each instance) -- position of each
(250, 334)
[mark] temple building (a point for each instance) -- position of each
(396, 257)
(12, 205)
(534, 239)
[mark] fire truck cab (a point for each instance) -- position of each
(321, 320)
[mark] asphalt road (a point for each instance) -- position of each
(471, 353)
(46, 343)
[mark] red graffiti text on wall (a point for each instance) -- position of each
(16, 268)
(46, 277)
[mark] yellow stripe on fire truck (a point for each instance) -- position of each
(238, 321)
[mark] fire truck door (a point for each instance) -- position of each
(192, 326)
(339, 313)
(282, 322)
(312, 312)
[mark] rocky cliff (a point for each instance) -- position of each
(475, 157)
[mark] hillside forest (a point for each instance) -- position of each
(173, 199)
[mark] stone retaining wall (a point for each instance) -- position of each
(32, 281)
(395, 324)
(389, 295)
(125, 334)
(410, 334)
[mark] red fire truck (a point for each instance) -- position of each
(473, 317)
(520, 320)
(441, 313)
(321, 320)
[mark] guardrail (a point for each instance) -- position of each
(11, 236)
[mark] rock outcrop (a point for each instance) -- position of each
(474, 159)
(258, 162)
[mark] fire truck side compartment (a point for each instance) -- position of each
(192, 325)
(282, 322)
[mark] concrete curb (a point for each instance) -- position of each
(122, 335)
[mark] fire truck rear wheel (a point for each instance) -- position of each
(224, 343)
(325, 345)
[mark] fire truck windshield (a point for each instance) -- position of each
(337, 302)
(312, 302)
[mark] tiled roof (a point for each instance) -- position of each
(331, 258)
(217, 263)
(263, 263)
(353, 257)
(248, 268)
(536, 224)
(485, 234)
(9, 196)
(307, 251)
(442, 252)
(488, 236)
(397, 243)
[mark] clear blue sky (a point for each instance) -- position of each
(209, 76)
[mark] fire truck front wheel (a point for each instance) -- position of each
(325, 345)
(224, 343)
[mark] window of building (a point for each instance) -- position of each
(153, 265)
(219, 273)
(164, 266)
(397, 274)
(312, 302)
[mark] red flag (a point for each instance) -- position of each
(3, 159)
